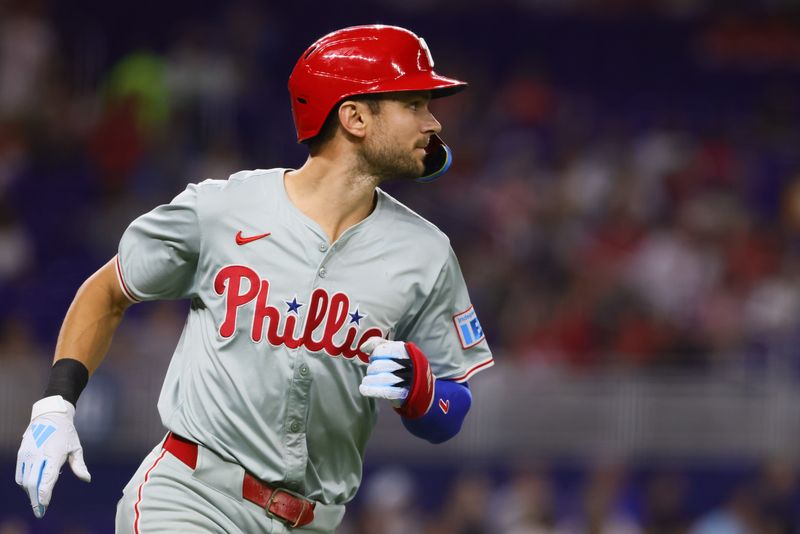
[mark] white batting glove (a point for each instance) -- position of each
(389, 371)
(47, 443)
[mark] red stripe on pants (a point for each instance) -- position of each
(136, 505)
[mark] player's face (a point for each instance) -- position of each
(396, 146)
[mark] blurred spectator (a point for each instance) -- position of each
(136, 107)
(664, 509)
(18, 342)
(12, 155)
(674, 269)
(524, 505)
(777, 498)
(739, 515)
(601, 509)
(465, 510)
(13, 525)
(202, 82)
(16, 246)
(389, 505)
(27, 46)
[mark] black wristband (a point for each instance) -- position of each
(68, 377)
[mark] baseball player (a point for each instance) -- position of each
(313, 294)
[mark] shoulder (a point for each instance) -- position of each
(410, 228)
(412, 221)
(237, 182)
(241, 190)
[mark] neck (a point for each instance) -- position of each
(331, 193)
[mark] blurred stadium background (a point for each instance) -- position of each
(625, 202)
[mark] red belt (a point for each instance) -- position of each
(295, 510)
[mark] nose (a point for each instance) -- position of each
(432, 126)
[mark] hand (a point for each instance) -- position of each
(401, 373)
(389, 372)
(47, 443)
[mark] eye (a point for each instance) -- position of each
(418, 105)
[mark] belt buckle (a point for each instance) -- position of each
(272, 514)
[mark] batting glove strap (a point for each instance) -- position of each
(52, 404)
(420, 395)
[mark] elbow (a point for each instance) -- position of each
(435, 429)
(445, 417)
(119, 305)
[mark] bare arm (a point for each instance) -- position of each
(51, 438)
(92, 318)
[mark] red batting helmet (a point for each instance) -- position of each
(363, 60)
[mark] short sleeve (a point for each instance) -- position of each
(158, 252)
(447, 329)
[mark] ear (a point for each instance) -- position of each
(354, 117)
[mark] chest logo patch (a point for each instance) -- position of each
(327, 316)
(468, 328)
(241, 240)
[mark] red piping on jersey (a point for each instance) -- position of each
(122, 281)
(480, 367)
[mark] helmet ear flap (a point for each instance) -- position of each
(438, 158)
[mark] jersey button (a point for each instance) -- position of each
(304, 369)
(322, 272)
(294, 427)
(323, 247)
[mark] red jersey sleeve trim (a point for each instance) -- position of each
(479, 367)
(122, 284)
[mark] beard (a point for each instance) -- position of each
(386, 161)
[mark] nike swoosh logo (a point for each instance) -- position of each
(444, 405)
(241, 240)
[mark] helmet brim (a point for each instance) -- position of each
(439, 86)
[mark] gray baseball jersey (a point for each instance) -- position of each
(266, 372)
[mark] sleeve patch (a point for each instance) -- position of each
(468, 328)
